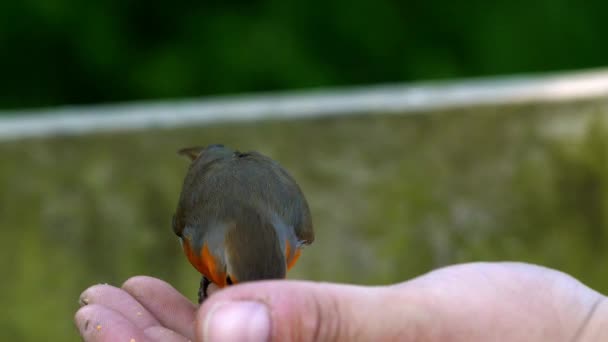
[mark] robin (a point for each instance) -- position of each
(240, 217)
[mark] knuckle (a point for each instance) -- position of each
(329, 325)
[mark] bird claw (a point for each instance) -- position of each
(202, 290)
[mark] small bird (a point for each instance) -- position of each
(240, 217)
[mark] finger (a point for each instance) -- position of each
(474, 302)
(596, 327)
(121, 301)
(158, 333)
(166, 304)
(99, 323)
(304, 311)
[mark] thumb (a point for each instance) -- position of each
(306, 311)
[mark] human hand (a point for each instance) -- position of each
(468, 302)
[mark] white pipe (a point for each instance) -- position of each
(404, 99)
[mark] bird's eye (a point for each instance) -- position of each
(176, 230)
(228, 280)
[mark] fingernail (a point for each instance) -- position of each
(83, 300)
(237, 321)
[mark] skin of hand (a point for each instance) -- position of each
(468, 302)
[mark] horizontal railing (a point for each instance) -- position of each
(399, 98)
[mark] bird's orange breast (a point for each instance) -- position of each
(291, 260)
(206, 264)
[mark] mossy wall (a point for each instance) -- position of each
(393, 196)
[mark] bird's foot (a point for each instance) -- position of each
(202, 290)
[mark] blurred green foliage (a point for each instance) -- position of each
(70, 51)
(392, 197)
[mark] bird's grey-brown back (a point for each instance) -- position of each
(220, 179)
